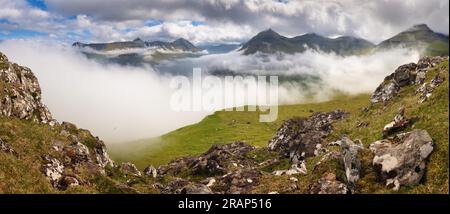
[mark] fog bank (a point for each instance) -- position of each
(121, 103)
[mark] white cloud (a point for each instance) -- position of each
(373, 20)
(128, 103)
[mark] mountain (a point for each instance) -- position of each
(137, 43)
(419, 36)
(220, 48)
(177, 45)
(270, 41)
(139, 52)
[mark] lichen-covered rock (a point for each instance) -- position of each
(426, 89)
(68, 181)
(328, 184)
(218, 160)
(78, 153)
(6, 148)
(352, 164)
(298, 138)
(403, 76)
(129, 168)
(53, 169)
(238, 182)
(196, 189)
(101, 156)
(401, 160)
(400, 122)
(151, 171)
(175, 186)
(296, 168)
(21, 95)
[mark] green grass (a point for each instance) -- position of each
(220, 128)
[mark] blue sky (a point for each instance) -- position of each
(213, 22)
(38, 3)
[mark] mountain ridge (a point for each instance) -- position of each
(178, 44)
(420, 35)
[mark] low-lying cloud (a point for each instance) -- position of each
(121, 103)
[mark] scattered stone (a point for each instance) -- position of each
(151, 171)
(218, 160)
(293, 179)
(210, 182)
(176, 186)
(298, 138)
(68, 181)
(400, 122)
(426, 89)
(296, 168)
(129, 168)
(238, 182)
(77, 152)
(6, 148)
(328, 184)
(362, 124)
(401, 160)
(53, 169)
(196, 189)
(352, 164)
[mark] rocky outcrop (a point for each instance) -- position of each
(53, 169)
(151, 171)
(299, 138)
(218, 160)
(73, 151)
(328, 184)
(196, 189)
(129, 169)
(238, 182)
(21, 95)
(426, 89)
(403, 76)
(401, 160)
(352, 164)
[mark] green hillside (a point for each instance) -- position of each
(220, 128)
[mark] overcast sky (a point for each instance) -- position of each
(214, 21)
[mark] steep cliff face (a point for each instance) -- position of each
(21, 95)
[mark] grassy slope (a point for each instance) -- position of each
(221, 128)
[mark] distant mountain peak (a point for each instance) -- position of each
(268, 32)
(181, 40)
(138, 40)
(419, 27)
